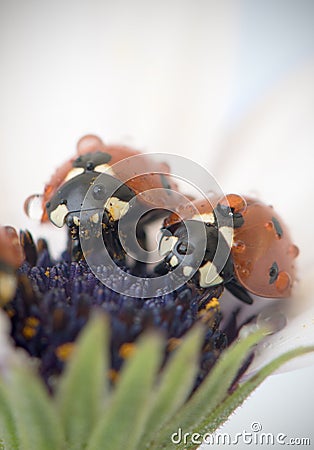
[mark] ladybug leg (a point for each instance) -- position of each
(73, 245)
(140, 263)
(206, 297)
(236, 289)
(162, 268)
(110, 238)
(113, 245)
(140, 266)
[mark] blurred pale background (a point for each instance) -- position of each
(229, 84)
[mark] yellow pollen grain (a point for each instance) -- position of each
(64, 351)
(207, 316)
(214, 303)
(173, 343)
(47, 273)
(126, 350)
(29, 329)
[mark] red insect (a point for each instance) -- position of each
(129, 178)
(262, 251)
(90, 147)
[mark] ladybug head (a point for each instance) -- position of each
(97, 161)
(91, 192)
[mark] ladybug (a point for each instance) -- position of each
(122, 175)
(256, 256)
(11, 257)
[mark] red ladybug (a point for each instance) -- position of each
(93, 152)
(124, 178)
(262, 253)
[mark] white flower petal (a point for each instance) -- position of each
(299, 331)
(157, 76)
(271, 155)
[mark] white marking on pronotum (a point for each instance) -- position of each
(116, 208)
(227, 233)
(173, 261)
(206, 217)
(187, 270)
(58, 215)
(209, 275)
(74, 173)
(104, 168)
(166, 244)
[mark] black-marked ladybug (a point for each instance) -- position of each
(64, 195)
(262, 254)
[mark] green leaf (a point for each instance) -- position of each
(176, 382)
(82, 389)
(211, 392)
(122, 424)
(8, 431)
(35, 418)
(233, 401)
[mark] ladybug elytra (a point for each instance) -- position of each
(258, 250)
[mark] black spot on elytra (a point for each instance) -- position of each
(273, 273)
(277, 226)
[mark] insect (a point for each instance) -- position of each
(11, 257)
(256, 256)
(122, 175)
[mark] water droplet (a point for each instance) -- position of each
(269, 226)
(33, 206)
(293, 251)
(271, 318)
(283, 281)
(245, 272)
(89, 143)
(238, 246)
(99, 192)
